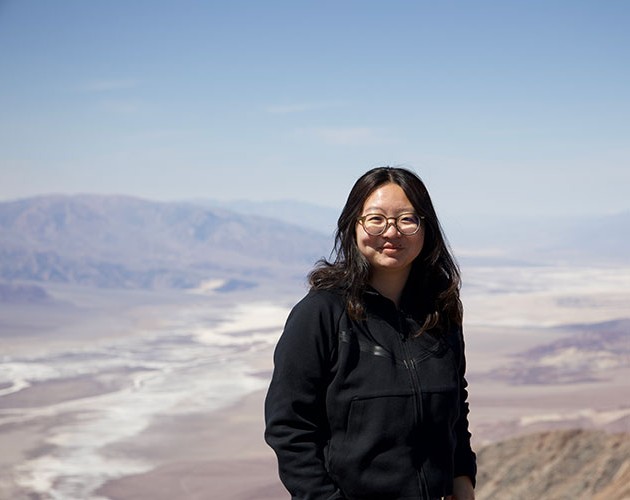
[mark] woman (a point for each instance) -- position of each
(368, 396)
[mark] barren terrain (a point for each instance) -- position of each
(545, 352)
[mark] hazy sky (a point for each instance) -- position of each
(501, 106)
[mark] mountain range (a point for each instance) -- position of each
(124, 242)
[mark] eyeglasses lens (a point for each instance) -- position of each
(407, 224)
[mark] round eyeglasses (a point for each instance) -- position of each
(376, 224)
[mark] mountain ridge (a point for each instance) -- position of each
(121, 241)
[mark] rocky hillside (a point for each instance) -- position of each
(558, 465)
(116, 241)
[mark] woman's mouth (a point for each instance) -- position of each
(390, 248)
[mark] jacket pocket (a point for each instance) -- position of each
(374, 455)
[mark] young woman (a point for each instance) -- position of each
(368, 396)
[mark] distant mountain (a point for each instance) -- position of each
(557, 465)
(522, 240)
(589, 354)
(602, 237)
(315, 217)
(118, 241)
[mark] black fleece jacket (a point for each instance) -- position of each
(366, 410)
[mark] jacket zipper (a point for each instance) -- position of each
(411, 367)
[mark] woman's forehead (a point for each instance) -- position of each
(389, 196)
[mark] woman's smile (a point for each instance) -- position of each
(390, 248)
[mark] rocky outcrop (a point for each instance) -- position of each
(557, 465)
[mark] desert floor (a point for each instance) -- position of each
(221, 454)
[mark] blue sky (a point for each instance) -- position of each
(508, 107)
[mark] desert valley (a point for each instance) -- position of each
(137, 338)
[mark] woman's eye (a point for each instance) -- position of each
(375, 219)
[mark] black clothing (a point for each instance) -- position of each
(365, 409)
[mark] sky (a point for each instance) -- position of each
(507, 107)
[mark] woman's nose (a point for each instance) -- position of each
(391, 224)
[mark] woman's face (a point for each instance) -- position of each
(390, 251)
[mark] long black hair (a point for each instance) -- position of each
(434, 275)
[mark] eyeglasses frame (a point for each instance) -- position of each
(361, 220)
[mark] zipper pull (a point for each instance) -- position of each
(402, 327)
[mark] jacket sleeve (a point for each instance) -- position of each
(465, 458)
(295, 406)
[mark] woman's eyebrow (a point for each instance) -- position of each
(397, 210)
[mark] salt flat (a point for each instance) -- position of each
(510, 311)
(164, 375)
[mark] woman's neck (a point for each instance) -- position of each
(390, 284)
